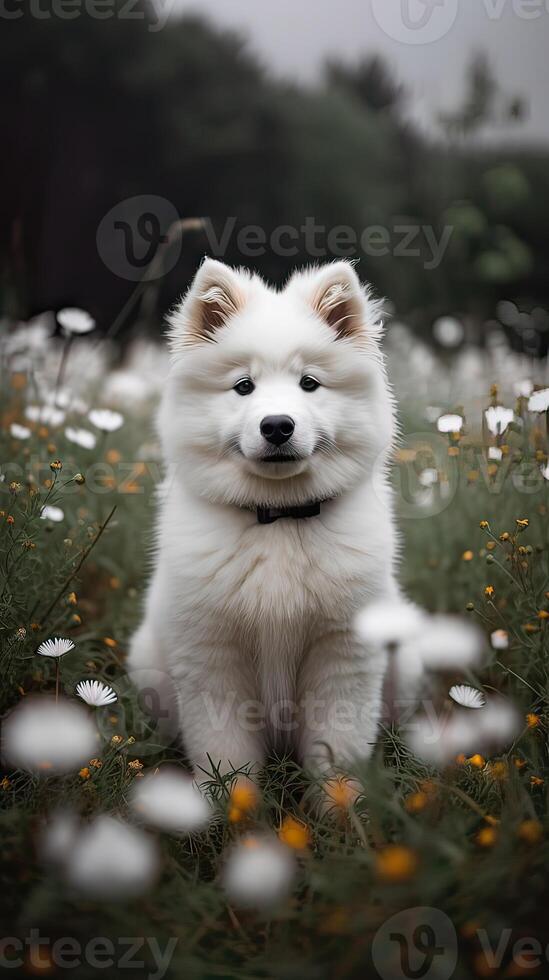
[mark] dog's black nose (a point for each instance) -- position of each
(277, 428)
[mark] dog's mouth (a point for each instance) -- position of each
(280, 458)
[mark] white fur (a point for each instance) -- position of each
(245, 616)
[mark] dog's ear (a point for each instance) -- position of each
(216, 294)
(336, 295)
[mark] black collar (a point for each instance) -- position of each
(268, 515)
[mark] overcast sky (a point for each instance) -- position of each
(428, 42)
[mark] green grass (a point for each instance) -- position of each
(341, 897)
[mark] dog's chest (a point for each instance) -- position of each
(283, 573)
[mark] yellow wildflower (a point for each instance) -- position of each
(416, 802)
(486, 837)
(341, 792)
(530, 831)
(295, 834)
(396, 863)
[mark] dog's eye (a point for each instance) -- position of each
(244, 387)
(308, 383)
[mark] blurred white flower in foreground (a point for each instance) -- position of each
(258, 872)
(499, 639)
(33, 336)
(448, 331)
(19, 431)
(51, 513)
(386, 623)
(45, 414)
(169, 800)
(450, 423)
(432, 413)
(74, 321)
(523, 388)
(111, 859)
(106, 420)
(95, 693)
(545, 471)
(446, 642)
(438, 740)
(42, 735)
(467, 697)
(81, 437)
(58, 835)
(539, 401)
(498, 419)
(55, 648)
(428, 477)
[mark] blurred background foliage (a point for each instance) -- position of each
(96, 116)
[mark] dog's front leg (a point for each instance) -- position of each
(340, 698)
(219, 711)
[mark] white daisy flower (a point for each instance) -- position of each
(43, 735)
(498, 418)
(539, 401)
(96, 693)
(58, 835)
(499, 722)
(46, 414)
(446, 643)
(111, 860)
(448, 331)
(106, 420)
(169, 800)
(258, 872)
(450, 423)
(438, 740)
(432, 413)
(74, 321)
(467, 697)
(523, 388)
(19, 431)
(387, 624)
(499, 639)
(428, 477)
(494, 452)
(51, 513)
(81, 437)
(55, 648)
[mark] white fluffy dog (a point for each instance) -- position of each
(276, 522)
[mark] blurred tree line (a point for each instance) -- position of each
(98, 111)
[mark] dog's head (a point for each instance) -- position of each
(275, 397)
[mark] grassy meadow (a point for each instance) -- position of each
(469, 841)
